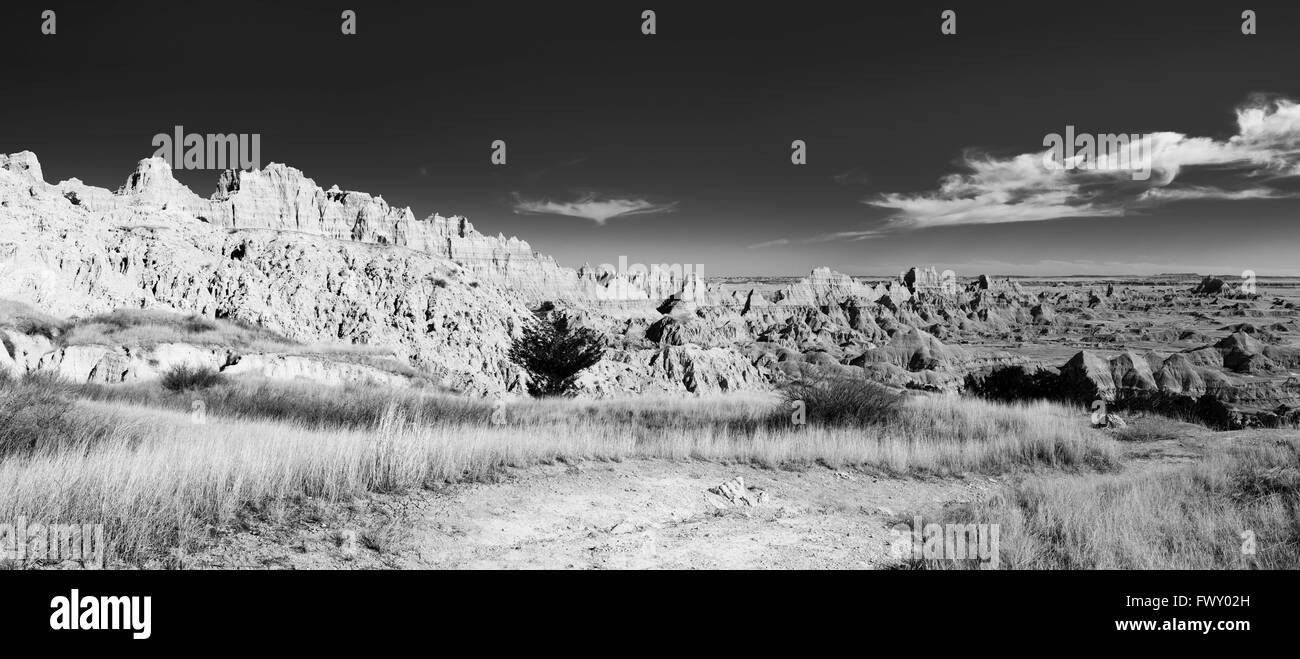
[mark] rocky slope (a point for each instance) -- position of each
(272, 248)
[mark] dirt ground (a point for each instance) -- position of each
(632, 514)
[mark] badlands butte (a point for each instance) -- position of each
(435, 303)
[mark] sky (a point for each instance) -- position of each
(921, 148)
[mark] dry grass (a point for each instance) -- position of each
(146, 327)
(363, 406)
(157, 480)
(1189, 517)
(974, 435)
(23, 318)
(306, 404)
(1153, 428)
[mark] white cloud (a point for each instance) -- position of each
(1058, 268)
(1206, 192)
(1023, 188)
(592, 207)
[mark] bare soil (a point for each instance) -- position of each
(631, 514)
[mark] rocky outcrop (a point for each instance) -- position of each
(22, 166)
(1216, 287)
(97, 364)
(1232, 383)
(1088, 376)
(317, 370)
(22, 352)
(274, 249)
(914, 350)
(282, 198)
(1209, 286)
(930, 280)
(73, 260)
(672, 369)
(825, 287)
(1178, 375)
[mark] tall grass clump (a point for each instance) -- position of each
(844, 401)
(998, 436)
(39, 413)
(31, 414)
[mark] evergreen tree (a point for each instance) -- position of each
(554, 352)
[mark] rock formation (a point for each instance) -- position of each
(272, 248)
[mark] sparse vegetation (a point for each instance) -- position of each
(1188, 517)
(144, 327)
(1150, 429)
(307, 404)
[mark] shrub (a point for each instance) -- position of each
(190, 378)
(845, 401)
(198, 324)
(33, 413)
(554, 352)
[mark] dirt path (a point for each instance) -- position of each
(633, 514)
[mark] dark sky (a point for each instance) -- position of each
(694, 125)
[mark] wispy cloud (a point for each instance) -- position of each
(1057, 267)
(770, 243)
(537, 175)
(1023, 188)
(854, 176)
(1204, 192)
(592, 207)
(865, 234)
